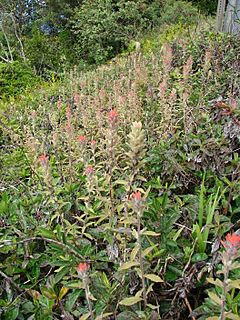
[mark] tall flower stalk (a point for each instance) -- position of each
(229, 257)
(82, 270)
(111, 141)
(138, 208)
(231, 245)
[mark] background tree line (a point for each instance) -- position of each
(40, 37)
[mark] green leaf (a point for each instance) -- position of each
(60, 273)
(199, 257)
(214, 297)
(74, 284)
(177, 234)
(72, 298)
(28, 307)
(216, 282)
(135, 234)
(123, 182)
(85, 316)
(127, 315)
(153, 277)
(150, 233)
(62, 293)
(232, 316)
(233, 284)
(104, 315)
(148, 250)
(46, 233)
(150, 288)
(139, 293)
(11, 314)
(49, 293)
(128, 265)
(130, 301)
(134, 253)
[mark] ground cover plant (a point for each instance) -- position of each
(120, 188)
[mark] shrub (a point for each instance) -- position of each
(208, 6)
(14, 78)
(179, 12)
(44, 52)
(103, 28)
(95, 26)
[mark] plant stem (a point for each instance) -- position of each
(226, 274)
(87, 295)
(141, 259)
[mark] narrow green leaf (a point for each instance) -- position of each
(104, 315)
(215, 298)
(128, 265)
(148, 250)
(85, 316)
(130, 301)
(232, 316)
(153, 277)
(134, 253)
(150, 233)
(46, 233)
(216, 282)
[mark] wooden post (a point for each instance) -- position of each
(220, 14)
(232, 18)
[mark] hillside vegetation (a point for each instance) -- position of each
(39, 40)
(120, 189)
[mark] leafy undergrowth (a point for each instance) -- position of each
(117, 188)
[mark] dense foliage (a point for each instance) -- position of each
(118, 186)
(206, 6)
(50, 36)
(14, 77)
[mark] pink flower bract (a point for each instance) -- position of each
(82, 269)
(81, 138)
(232, 243)
(42, 158)
(112, 116)
(137, 196)
(89, 170)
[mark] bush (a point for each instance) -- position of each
(179, 12)
(103, 28)
(14, 78)
(44, 52)
(207, 6)
(95, 25)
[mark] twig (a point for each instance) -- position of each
(10, 280)
(189, 308)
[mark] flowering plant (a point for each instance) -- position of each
(225, 289)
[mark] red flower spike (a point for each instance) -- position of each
(76, 98)
(137, 196)
(33, 114)
(112, 116)
(82, 138)
(89, 170)
(82, 269)
(43, 159)
(232, 243)
(93, 142)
